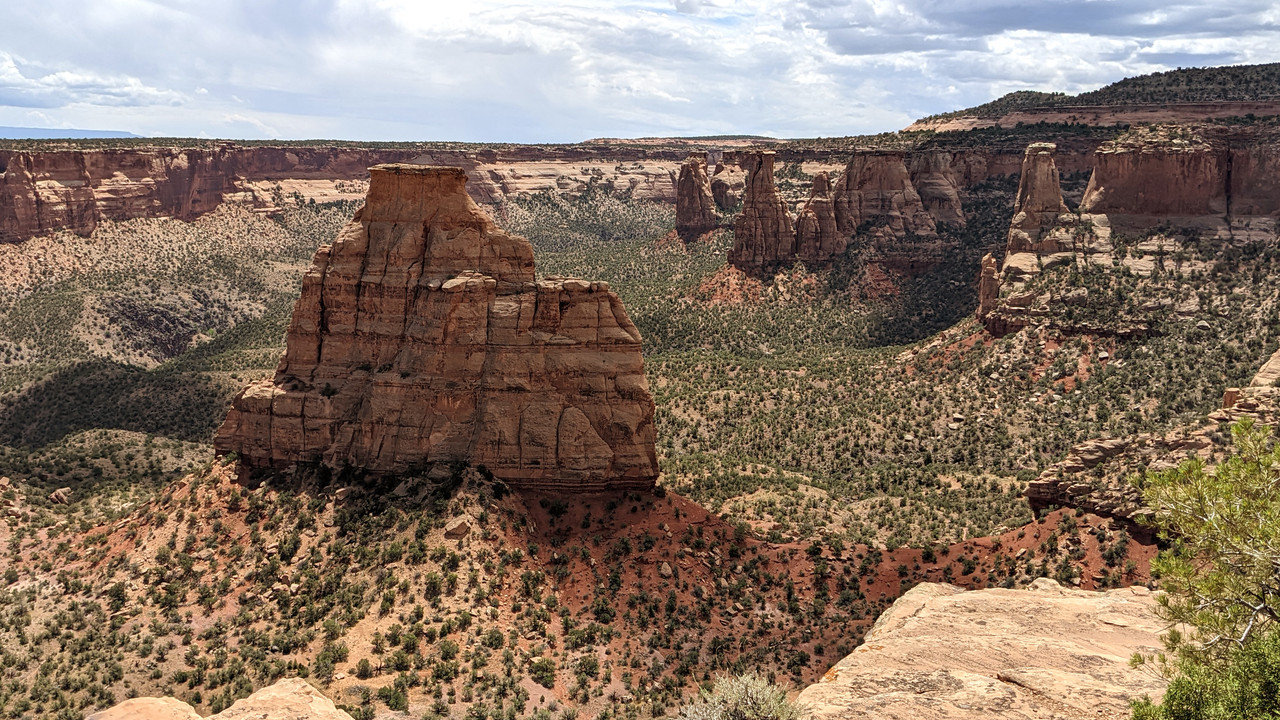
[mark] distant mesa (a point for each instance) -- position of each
(422, 337)
(8, 132)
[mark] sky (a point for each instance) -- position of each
(569, 70)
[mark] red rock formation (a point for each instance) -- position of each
(1162, 179)
(877, 189)
(695, 206)
(1255, 181)
(817, 238)
(763, 236)
(932, 178)
(988, 286)
(1039, 202)
(421, 336)
(727, 185)
(45, 191)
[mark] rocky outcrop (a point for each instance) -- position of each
(290, 698)
(1163, 179)
(763, 236)
(1046, 651)
(1186, 176)
(1096, 476)
(727, 185)
(988, 286)
(695, 206)
(817, 237)
(933, 179)
(1039, 203)
(876, 189)
(421, 336)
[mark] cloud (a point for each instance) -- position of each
(30, 88)
(531, 70)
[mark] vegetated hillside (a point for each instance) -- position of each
(119, 352)
(1236, 83)
(454, 597)
(800, 405)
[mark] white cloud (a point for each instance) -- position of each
(542, 70)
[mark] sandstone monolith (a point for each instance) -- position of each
(422, 336)
(763, 236)
(695, 206)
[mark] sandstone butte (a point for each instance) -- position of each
(1208, 179)
(940, 652)
(422, 336)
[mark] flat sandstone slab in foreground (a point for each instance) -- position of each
(288, 699)
(1043, 652)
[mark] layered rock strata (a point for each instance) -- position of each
(1046, 651)
(876, 189)
(46, 191)
(818, 238)
(1096, 476)
(763, 235)
(695, 205)
(421, 336)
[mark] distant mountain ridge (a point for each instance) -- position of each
(1230, 84)
(9, 132)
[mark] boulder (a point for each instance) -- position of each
(288, 699)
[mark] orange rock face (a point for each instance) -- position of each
(1157, 180)
(932, 177)
(695, 206)
(1039, 201)
(817, 237)
(422, 336)
(763, 236)
(876, 188)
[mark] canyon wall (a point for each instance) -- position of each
(1211, 181)
(46, 191)
(421, 336)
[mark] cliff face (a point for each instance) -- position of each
(421, 336)
(817, 237)
(46, 191)
(1158, 180)
(763, 236)
(876, 188)
(934, 180)
(1159, 175)
(695, 206)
